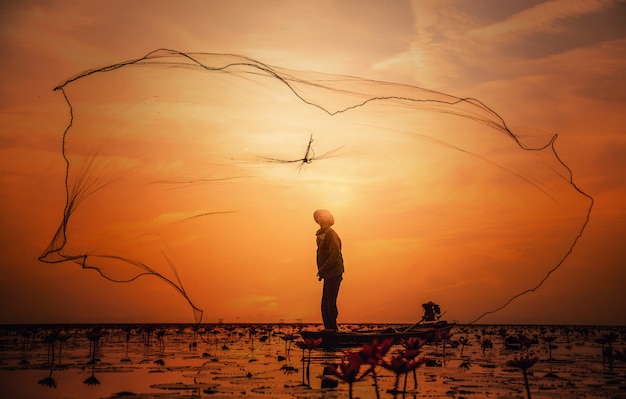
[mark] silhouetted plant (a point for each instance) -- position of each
(373, 354)
(252, 331)
(160, 334)
(412, 347)
(287, 369)
(93, 335)
(91, 380)
(444, 336)
(401, 365)
(502, 332)
(523, 363)
(525, 342)
(486, 343)
(194, 331)
(464, 341)
(288, 338)
(607, 349)
(148, 330)
(549, 339)
(62, 338)
(308, 344)
(48, 381)
(127, 336)
(50, 339)
(349, 369)
(213, 339)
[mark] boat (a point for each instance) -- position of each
(427, 328)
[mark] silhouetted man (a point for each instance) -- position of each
(329, 266)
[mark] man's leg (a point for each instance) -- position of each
(325, 304)
(329, 302)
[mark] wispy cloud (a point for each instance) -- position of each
(544, 17)
(456, 47)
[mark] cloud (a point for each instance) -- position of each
(544, 17)
(455, 47)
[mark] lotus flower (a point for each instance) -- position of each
(412, 343)
(93, 335)
(288, 338)
(485, 344)
(308, 344)
(373, 354)
(607, 348)
(522, 362)
(412, 348)
(400, 365)
(50, 339)
(349, 369)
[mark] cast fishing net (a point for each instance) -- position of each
(184, 166)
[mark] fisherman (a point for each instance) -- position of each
(329, 266)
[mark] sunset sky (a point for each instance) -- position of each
(429, 206)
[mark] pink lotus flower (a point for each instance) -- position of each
(288, 338)
(444, 335)
(309, 343)
(399, 364)
(349, 369)
(373, 353)
(410, 354)
(412, 343)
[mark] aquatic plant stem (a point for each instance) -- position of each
(526, 383)
(308, 369)
(404, 387)
(303, 368)
(375, 382)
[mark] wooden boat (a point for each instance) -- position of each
(426, 328)
(337, 339)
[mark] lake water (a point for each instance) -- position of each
(263, 361)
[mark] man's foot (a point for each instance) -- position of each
(328, 330)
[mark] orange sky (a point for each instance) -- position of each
(420, 220)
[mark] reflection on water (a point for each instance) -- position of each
(270, 361)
